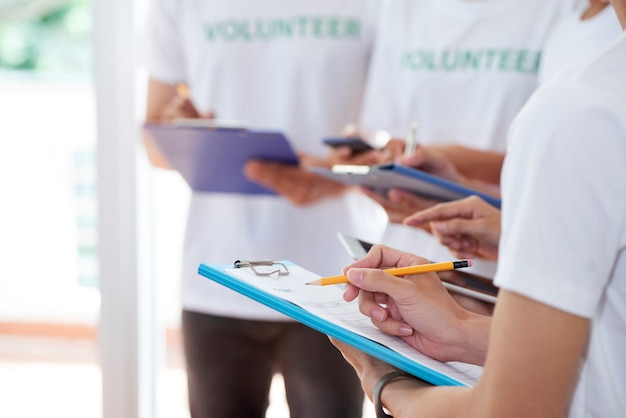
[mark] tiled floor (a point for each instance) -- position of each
(55, 378)
(59, 378)
(55, 390)
(63, 390)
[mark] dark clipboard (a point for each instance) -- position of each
(212, 160)
(383, 177)
(263, 289)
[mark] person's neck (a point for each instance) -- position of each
(595, 7)
(620, 9)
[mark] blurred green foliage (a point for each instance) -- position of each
(46, 36)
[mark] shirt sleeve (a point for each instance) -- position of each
(161, 51)
(563, 199)
(379, 109)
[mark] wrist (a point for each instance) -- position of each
(392, 377)
(472, 337)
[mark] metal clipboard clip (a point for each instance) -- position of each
(283, 271)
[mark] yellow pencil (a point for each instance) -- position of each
(182, 90)
(401, 271)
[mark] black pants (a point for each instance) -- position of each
(231, 362)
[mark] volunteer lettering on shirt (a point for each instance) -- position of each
(320, 27)
(508, 60)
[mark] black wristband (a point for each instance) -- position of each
(378, 389)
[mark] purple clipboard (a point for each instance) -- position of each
(212, 160)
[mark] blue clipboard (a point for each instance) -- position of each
(383, 177)
(281, 294)
(212, 160)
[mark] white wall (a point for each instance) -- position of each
(127, 316)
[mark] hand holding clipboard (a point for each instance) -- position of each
(324, 309)
(384, 177)
(212, 160)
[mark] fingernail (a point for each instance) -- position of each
(406, 330)
(355, 276)
(379, 314)
(439, 226)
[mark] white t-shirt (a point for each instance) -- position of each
(564, 217)
(575, 40)
(464, 68)
(294, 66)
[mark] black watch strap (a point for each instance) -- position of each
(378, 389)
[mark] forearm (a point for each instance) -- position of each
(462, 336)
(411, 398)
(535, 350)
(154, 153)
(533, 367)
(484, 166)
(159, 95)
(473, 339)
(482, 186)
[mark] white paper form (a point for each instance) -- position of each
(326, 302)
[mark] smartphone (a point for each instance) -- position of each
(356, 145)
(355, 247)
(472, 285)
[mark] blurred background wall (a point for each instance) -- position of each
(51, 347)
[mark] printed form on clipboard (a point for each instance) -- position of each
(282, 286)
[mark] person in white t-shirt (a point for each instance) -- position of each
(470, 227)
(554, 346)
(300, 68)
(578, 37)
(463, 69)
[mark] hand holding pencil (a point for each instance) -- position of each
(401, 271)
(419, 309)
